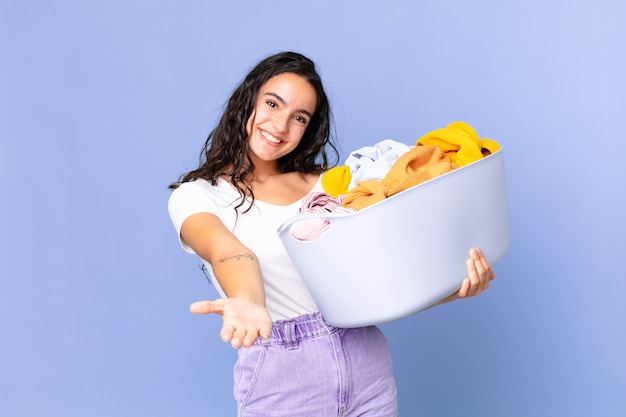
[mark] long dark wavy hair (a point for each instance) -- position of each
(226, 153)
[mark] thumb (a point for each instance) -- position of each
(207, 307)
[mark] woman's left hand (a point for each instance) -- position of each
(479, 275)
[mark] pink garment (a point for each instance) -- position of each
(314, 228)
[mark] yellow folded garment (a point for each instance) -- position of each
(336, 180)
(365, 193)
(460, 142)
(414, 167)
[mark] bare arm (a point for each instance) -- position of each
(238, 271)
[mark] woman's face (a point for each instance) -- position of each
(283, 110)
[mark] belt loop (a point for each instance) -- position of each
(290, 335)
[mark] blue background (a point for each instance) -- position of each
(103, 104)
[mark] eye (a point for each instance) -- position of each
(301, 119)
(271, 104)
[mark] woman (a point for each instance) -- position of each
(265, 155)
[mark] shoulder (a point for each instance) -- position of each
(190, 190)
(201, 188)
(200, 196)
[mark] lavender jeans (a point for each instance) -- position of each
(308, 368)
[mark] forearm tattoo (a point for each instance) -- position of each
(239, 257)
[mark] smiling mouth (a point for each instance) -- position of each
(270, 138)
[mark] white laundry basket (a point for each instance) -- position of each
(407, 252)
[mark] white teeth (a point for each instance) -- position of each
(270, 137)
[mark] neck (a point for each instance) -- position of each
(264, 169)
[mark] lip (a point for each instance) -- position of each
(269, 138)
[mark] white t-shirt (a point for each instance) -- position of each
(286, 296)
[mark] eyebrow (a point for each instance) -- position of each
(279, 98)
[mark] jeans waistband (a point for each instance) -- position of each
(290, 332)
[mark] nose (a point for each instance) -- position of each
(281, 122)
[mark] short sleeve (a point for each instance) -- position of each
(188, 199)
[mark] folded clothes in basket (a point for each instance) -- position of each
(373, 162)
(458, 141)
(314, 227)
(372, 174)
(366, 163)
(414, 167)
